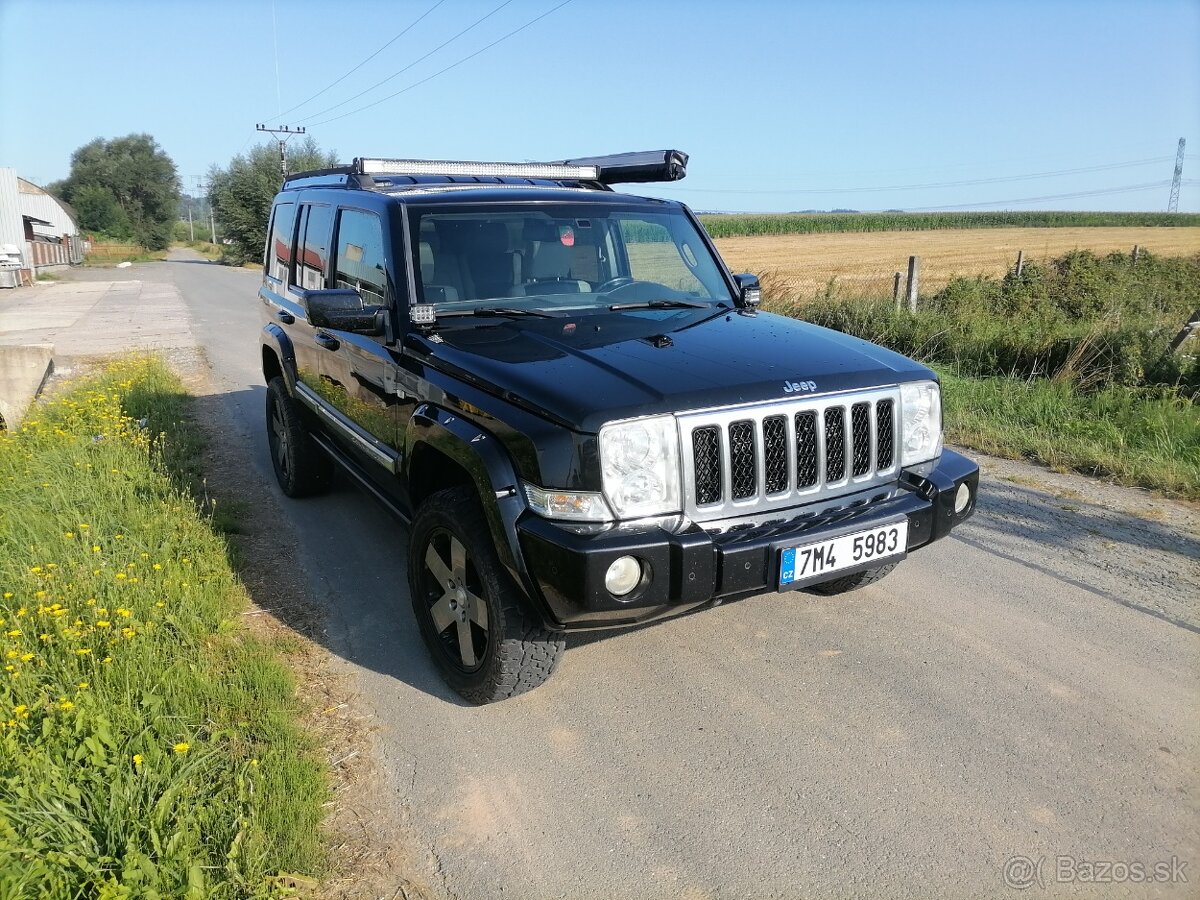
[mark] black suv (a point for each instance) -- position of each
(581, 413)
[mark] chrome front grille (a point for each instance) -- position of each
(744, 460)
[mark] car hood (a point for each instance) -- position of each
(593, 369)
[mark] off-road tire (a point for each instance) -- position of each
(518, 653)
(301, 467)
(852, 582)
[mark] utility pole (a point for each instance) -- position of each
(1173, 203)
(212, 217)
(191, 227)
(284, 134)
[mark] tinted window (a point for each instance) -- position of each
(279, 247)
(655, 256)
(311, 266)
(360, 255)
(562, 256)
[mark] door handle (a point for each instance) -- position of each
(327, 341)
(285, 317)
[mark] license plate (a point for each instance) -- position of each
(822, 560)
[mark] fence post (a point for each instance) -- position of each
(1020, 262)
(914, 275)
(1184, 333)
(896, 290)
(1137, 251)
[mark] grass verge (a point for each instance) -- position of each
(1148, 437)
(1066, 363)
(148, 745)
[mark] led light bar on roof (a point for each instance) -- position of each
(475, 169)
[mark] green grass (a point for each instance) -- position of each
(749, 225)
(148, 745)
(1146, 437)
(1067, 364)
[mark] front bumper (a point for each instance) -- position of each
(692, 567)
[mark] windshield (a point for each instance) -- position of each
(569, 257)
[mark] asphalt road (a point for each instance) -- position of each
(1027, 688)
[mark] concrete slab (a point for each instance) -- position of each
(94, 318)
(23, 371)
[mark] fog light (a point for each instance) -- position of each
(962, 499)
(623, 575)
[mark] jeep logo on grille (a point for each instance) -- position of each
(799, 387)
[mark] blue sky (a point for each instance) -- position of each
(782, 105)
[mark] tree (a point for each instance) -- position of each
(99, 211)
(124, 187)
(241, 193)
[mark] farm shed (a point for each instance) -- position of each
(37, 230)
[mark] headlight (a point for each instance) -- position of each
(640, 466)
(920, 422)
(578, 506)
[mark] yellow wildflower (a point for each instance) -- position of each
(8, 595)
(26, 657)
(64, 704)
(95, 548)
(137, 759)
(69, 535)
(182, 747)
(83, 685)
(83, 651)
(106, 659)
(21, 711)
(16, 632)
(103, 623)
(160, 604)
(123, 612)
(157, 566)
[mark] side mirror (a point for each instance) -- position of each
(342, 309)
(750, 290)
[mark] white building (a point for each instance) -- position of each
(37, 230)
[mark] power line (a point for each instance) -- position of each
(1126, 189)
(395, 74)
(929, 186)
(453, 65)
(333, 84)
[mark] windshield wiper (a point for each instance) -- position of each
(496, 311)
(660, 304)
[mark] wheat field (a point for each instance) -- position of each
(865, 262)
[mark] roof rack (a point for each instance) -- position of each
(596, 171)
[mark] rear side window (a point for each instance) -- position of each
(317, 224)
(279, 245)
(359, 260)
